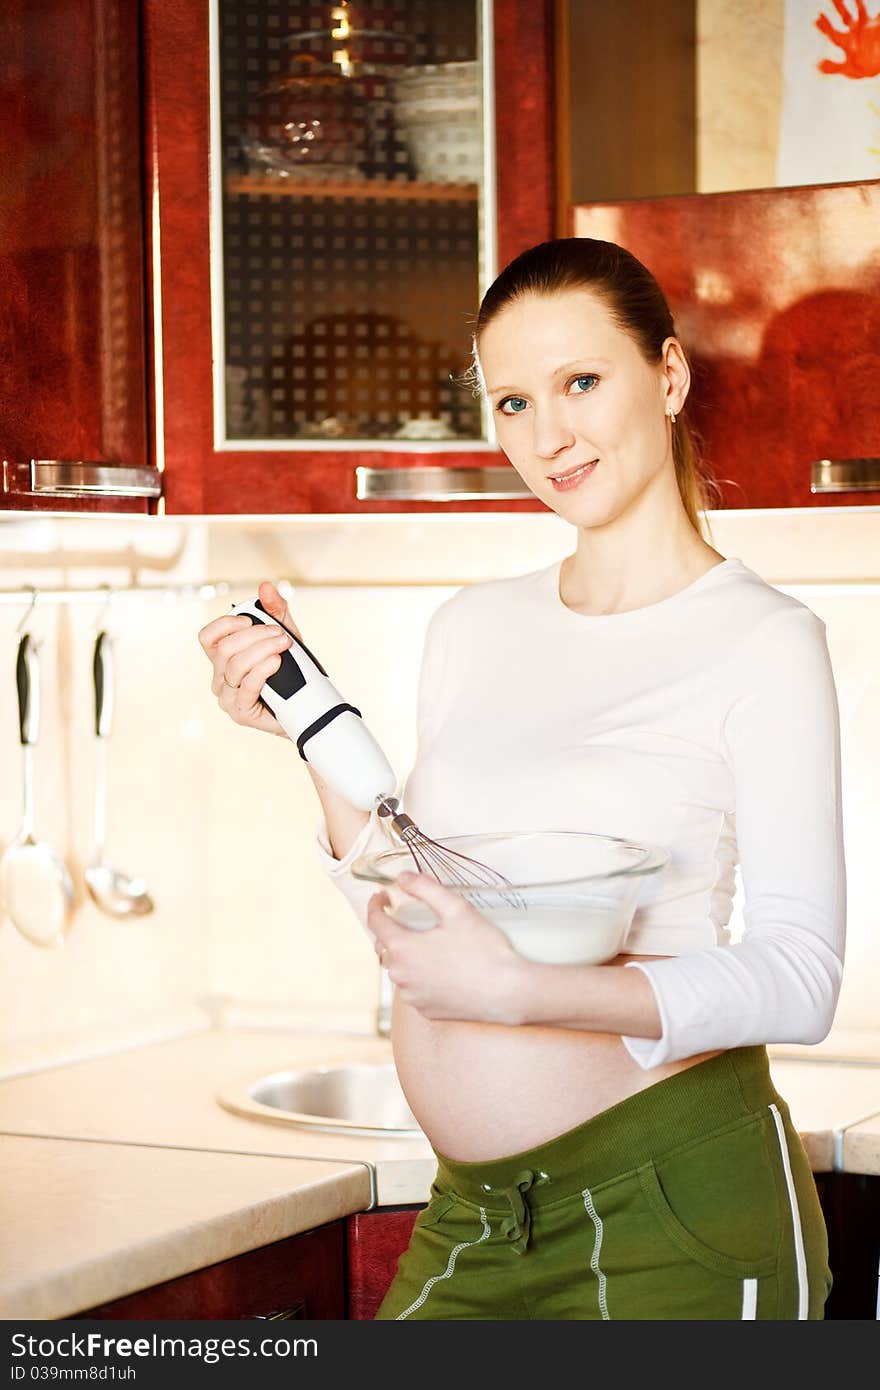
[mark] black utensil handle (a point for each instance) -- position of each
(102, 671)
(27, 680)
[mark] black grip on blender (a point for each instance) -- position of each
(26, 678)
(288, 679)
(298, 640)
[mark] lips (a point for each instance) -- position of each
(572, 476)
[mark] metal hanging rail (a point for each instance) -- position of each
(215, 588)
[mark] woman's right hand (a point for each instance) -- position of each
(243, 656)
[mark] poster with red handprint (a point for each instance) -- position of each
(830, 120)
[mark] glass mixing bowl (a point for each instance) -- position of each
(571, 897)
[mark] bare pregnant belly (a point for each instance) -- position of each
(485, 1090)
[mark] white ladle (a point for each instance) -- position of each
(35, 887)
(114, 892)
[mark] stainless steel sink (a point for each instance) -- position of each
(363, 1098)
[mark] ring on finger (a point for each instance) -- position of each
(229, 682)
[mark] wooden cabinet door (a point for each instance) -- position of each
(203, 475)
(851, 1206)
(776, 297)
(375, 1240)
(303, 1277)
(73, 382)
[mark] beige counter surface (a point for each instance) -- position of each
(124, 1170)
(861, 1147)
(86, 1223)
(164, 1094)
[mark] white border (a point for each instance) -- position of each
(487, 254)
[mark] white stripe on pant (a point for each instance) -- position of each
(799, 1255)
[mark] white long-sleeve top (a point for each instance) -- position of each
(706, 723)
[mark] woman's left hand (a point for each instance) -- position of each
(463, 968)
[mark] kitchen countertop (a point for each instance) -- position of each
(130, 1172)
(86, 1223)
(164, 1094)
(861, 1147)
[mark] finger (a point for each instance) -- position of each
(443, 901)
(844, 13)
(239, 641)
(386, 931)
(244, 698)
(240, 667)
(248, 695)
(276, 606)
(218, 628)
(824, 25)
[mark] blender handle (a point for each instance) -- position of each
(329, 733)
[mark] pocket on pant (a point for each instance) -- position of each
(439, 1203)
(717, 1201)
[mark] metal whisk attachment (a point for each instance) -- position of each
(446, 865)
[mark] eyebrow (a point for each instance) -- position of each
(560, 371)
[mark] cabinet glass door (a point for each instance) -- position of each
(352, 221)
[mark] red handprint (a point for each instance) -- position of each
(860, 42)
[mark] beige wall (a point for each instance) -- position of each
(739, 92)
(220, 822)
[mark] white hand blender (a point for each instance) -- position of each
(328, 732)
(332, 736)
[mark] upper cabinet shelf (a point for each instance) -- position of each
(258, 186)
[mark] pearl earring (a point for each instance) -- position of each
(671, 414)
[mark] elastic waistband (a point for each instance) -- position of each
(681, 1108)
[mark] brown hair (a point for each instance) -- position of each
(638, 306)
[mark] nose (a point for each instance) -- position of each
(553, 435)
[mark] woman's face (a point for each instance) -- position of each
(578, 411)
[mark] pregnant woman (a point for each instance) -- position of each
(609, 1142)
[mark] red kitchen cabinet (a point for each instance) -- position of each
(73, 321)
(260, 219)
(776, 295)
(302, 1277)
(111, 328)
(341, 1270)
(375, 1240)
(851, 1206)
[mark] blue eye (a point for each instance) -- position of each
(588, 376)
(517, 404)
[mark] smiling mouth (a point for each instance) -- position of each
(572, 476)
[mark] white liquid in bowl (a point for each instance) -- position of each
(556, 932)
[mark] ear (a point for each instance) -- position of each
(676, 375)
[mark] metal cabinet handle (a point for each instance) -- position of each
(845, 475)
(437, 484)
(297, 1310)
(55, 478)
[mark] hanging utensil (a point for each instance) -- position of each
(36, 890)
(114, 892)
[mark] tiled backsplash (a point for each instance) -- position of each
(220, 822)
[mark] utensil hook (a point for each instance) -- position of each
(25, 621)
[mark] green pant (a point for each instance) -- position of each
(691, 1199)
